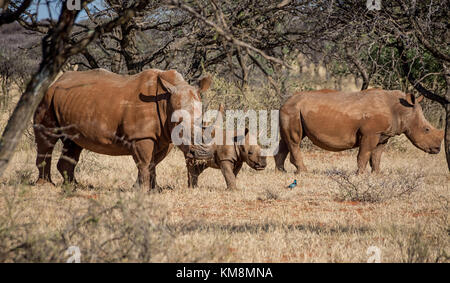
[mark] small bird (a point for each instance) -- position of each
(293, 185)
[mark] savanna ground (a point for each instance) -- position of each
(331, 216)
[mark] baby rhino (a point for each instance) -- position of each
(229, 158)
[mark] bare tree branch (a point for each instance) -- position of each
(416, 84)
(56, 48)
(228, 36)
(7, 16)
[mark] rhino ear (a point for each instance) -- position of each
(411, 99)
(221, 109)
(419, 99)
(220, 115)
(240, 138)
(204, 83)
(166, 85)
(211, 129)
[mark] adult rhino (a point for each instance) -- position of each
(338, 120)
(116, 115)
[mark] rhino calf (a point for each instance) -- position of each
(229, 158)
(338, 120)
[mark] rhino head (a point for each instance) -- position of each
(186, 112)
(250, 153)
(418, 130)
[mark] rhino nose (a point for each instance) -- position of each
(260, 165)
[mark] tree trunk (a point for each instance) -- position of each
(53, 59)
(447, 114)
(22, 113)
(447, 135)
(55, 52)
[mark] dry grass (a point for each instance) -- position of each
(331, 216)
(403, 211)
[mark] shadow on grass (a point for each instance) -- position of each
(255, 228)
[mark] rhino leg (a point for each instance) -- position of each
(45, 146)
(296, 158)
(292, 134)
(192, 177)
(281, 155)
(44, 122)
(375, 158)
(159, 156)
(152, 169)
(192, 181)
(237, 168)
(194, 170)
(227, 170)
(142, 152)
(367, 146)
(69, 158)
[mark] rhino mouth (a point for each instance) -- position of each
(258, 167)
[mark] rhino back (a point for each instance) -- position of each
(99, 108)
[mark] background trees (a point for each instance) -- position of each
(405, 45)
(58, 44)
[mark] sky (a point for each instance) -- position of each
(55, 8)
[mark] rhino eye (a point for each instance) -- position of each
(250, 152)
(427, 130)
